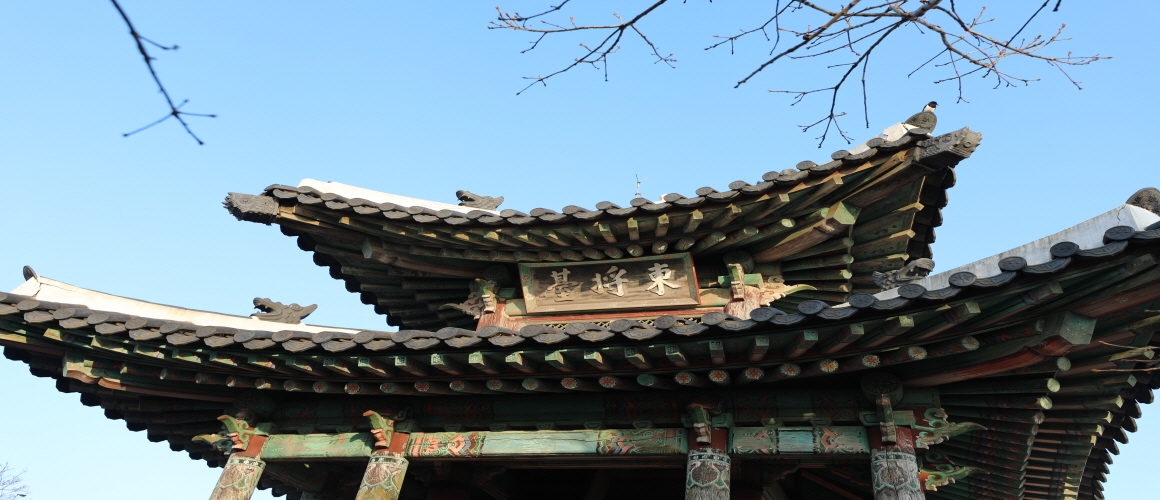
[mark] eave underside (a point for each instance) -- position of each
(985, 349)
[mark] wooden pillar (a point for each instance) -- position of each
(383, 479)
(707, 475)
(240, 476)
(707, 470)
(894, 468)
(892, 463)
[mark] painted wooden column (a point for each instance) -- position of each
(245, 466)
(383, 479)
(893, 466)
(707, 470)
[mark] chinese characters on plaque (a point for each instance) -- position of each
(656, 281)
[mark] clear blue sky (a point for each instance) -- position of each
(418, 100)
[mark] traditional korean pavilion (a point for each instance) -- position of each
(784, 338)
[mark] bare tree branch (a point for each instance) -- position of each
(853, 30)
(174, 111)
(11, 483)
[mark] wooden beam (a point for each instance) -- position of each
(833, 220)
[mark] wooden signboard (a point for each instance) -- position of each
(643, 282)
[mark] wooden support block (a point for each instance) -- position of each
(579, 384)
(758, 346)
(613, 252)
(520, 361)
(374, 367)
(676, 355)
(619, 383)
(592, 253)
(410, 365)
(338, 366)
(633, 229)
(684, 243)
(694, 220)
(267, 384)
(801, 343)
(540, 385)
(727, 215)
(660, 246)
(596, 358)
(891, 329)
(481, 362)
(654, 382)
(637, 358)
(635, 250)
(690, 379)
(843, 338)
(605, 229)
(446, 365)
(717, 352)
(662, 228)
(559, 361)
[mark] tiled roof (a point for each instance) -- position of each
(387, 252)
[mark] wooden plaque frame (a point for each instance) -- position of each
(537, 281)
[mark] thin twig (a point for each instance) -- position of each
(174, 111)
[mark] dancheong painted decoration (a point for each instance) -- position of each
(788, 337)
